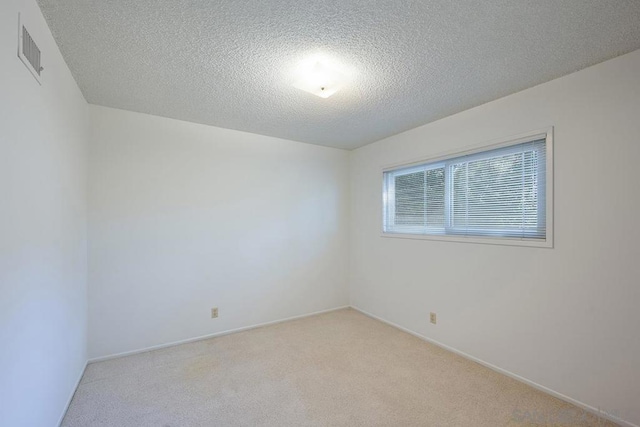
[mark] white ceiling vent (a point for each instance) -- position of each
(28, 51)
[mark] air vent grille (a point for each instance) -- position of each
(31, 51)
(28, 51)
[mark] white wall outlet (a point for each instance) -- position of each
(432, 318)
(214, 312)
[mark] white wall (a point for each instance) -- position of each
(43, 308)
(185, 217)
(566, 318)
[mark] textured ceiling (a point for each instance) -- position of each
(228, 63)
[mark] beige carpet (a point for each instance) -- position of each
(336, 369)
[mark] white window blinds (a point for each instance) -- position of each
(496, 193)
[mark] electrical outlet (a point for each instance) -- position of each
(432, 318)
(214, 312)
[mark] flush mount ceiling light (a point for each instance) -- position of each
(319, 78)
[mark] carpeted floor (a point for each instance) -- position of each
(336, 369)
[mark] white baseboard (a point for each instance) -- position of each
(216, 334)
(537, 386)
(73, 392)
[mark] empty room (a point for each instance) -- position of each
(319, 213)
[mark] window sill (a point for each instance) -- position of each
(505, 241)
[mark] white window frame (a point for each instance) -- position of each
(478, 151)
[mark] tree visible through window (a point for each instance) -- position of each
(419, 199)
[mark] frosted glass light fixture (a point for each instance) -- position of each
(319, 79)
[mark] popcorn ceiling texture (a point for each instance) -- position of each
(227, 63)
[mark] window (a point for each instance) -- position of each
(498, 192)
